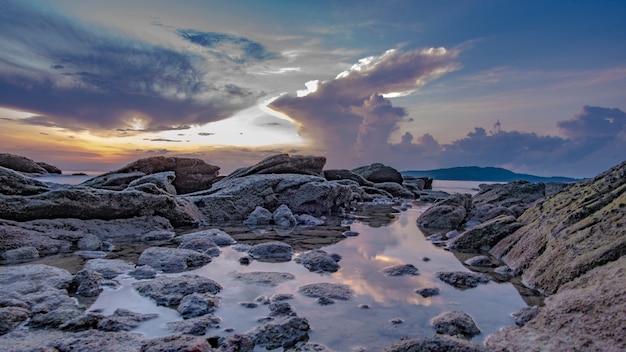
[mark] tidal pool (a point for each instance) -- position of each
(383, 310)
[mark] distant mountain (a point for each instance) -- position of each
(475, 173)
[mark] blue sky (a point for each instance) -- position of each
(533, 86)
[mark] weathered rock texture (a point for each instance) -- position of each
(21, 164)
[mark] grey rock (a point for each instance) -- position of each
(20, 164)
(278, 297)
(113, 181)
(194, 326)
(178, 343)
(197, 304)
(283, 164)
(203, 245)
(170, 290)
(86, 321)
(262, 278)
(401, 270)
(283, 217)
(308, 347)
(504, 270)
(218, 236)
(486, 235)
(309, 220)
(446, 214)
(279, 309)
(350, 233)
(89, 242)
(91, 254)
(24, 279)
(285, 333)
(437, 343)
(55, 314)
(21, 254)
(525, 315)
(236, 343)
(95, 340)
(378, 173)
(14, 183)
(480, 261)
(171, 260)
(455, 323)
(462, 279)
(12, 317)
(259, 216)
(157, 236)
(327, 290)
(428, 292)
(123, 320)
(86, 283)
(51, 169)
(395, 189)
(162, 180)
(271, 251)
(109, 268)
(343, 174)
(318, 260)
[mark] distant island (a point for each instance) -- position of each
(476, 173)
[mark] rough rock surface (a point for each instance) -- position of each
(180, 343)
(271, 251)
(283, 217)
(395, 189)
(14, 183)
(109, 268)
(344, 174)
(439, 343)
(327, 290)
(318, 260)
(218, 236)
(446, 214)
(480, 261)
(263, 278)
(172, 260)
(197, 304)
(285, 333)
(428, 292)
(20, 164)
(486, 235)
(123, 320)
(163, 181)
(283, 164)
(378, 173)
(401, 270)
(259, 217)
(194, 326)
(169, 291)
(455, 323)
(113, 181)
(51, 169)
(86, 283)
(511, 198)
(462, 279)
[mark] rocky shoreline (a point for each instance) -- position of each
(555, 238)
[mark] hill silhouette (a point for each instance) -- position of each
(476, 173)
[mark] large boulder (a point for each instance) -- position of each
(486, 235)
(378, 173)
(170, 290)
(395, 189)
(20, 164)
(449, 213)
(191, 174)
(163, 181)
(283, 164)
(344, 174)
(14, 183)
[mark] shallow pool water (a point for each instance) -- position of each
(383, 310)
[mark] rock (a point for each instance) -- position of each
(455, 323)
(86, 283)
(21, 254)
(350, 233)
(14, 183)
(123, 320)
(504, 270)
(318, 260)
(53, 310)
(486, 235)
(89, 242)
(162, 180)
(309, 220)
(462, 279)
(285, 333)
(84, 322)
(157, 236)
(343, 174)
(197, 304)
(428, 292)
(309, 347)
(283, 217)
(143, 272)
(204, 245)
(378, 173)
(511, 198)
(109, 268)
(283, 164)
(396, 190)
(178, 343)
(113, 181)
(218, 236)
(525, 315)
(170, 290)
(20, 164)
(235, 343)
(279, 309)
(51, 169)
(172, 260)
(479, 260)
(271, 251)
(401, 270)
(259, 216)
(263, 278)
(438, 343)
(446, 214)
(29, 278)
(12, 317)
(195, 326)
(327, 290)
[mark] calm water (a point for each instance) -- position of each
(345, 326)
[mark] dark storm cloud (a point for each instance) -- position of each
(240, 49)
(71, 74)
(594, 121)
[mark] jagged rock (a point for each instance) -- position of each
(218, 236)
(197, 304)
(51, 309)
(123, 320)
(89, 242)
(283, 333)
(428, 292)
(505, 199)
(203, 245)
(162, 180)
(462, 279)
(194, 326)
(455, 323)
(83, 322)
(14, 237)
(486, 235)
(236, 343)
(170, 290)
(308, 347)
(279, 309)
(172, 260)
(12, 317)
(21, 254)
(378, 173)
(109, 268)
(479, 260)
(143, 272)
(259, 216)
(271, 251)
(51, 169)
(157, 236)
(395, 189)
(446, 214)
(20, 164)
(14, 183)
(95, 340)
(262, 278)
(318, 260)
(283, 164)
(525, 315)
(343, 174)
(283, 217)
(309, 220)
(113, 181)
(86, 283)
(327, 290)
(401, 270)
(178, 343)
(438, 343)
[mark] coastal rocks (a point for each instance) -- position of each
(401, 270)
(171, 260)
(197, 304)
(525, 315)
(395, 189)
(283, 217)
(109, 268)
(12, 317)
(271, 251)
(327, 292)
(479, 261)
(204, 245)
(343, 174)
(178, 343)
(218, 236)
(123, 320)
(486, 235)
(113, 181)
(51, 169)
(86, 283)
(428, 292)
(378, 173)
(318, 260)
(259, 217)
(283, 164)
(285, 333)
(162, 180)
(32, 278)
(191, 174)
(461, 279)
(14, 183)
(446, 214)
(436, 343)
(20, 164)
(21, 254)
(170, 290)
(262, 278)
(455, 323)
(194, 326)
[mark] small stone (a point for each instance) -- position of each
(455, 323)
(350, 233)
(428, 292)
(401, 270)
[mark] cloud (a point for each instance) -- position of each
(228, 46)
(74, 75)
(595, 122)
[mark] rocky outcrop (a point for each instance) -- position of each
(172, 260)
(51, 169)
(455, 323)
(318, 260)
(283, 164)
(378, 173)
(169, 291)
(437, 343)
(343, 174)
(21, 164)
(446, 214)
(14, 183)
(486, 235)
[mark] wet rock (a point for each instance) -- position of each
(95, 340)
(278, 297)
(218, 236)
(308, 347)
(446, 214)
(83, 322)
(438, 343)
(525, 314)
(51, 169)
(21, 254)
(378, 173)
(428, 292)
(505, 271)
(89, 242)
(162, 180)
(249, 304)
(235, 343)
(178, 343)
(197, 304)
(271, 251)
(14, 183)
(262, 278)
(123, 320)
(396, 190)
(203, 245)
(157, 236)
(143, 272)
(283, 164)
(318, 260)
(24, 279)
(455, 323)
(486, 235)
(91, 254)
(170, 290)
(285, 333)
(113, 181)
(52, 312)
(309, 220)
(396, 321)
(86, 283)
(401, 270)
(171, 260)
(20, 164)
(343, 174)
(259, 216)
(283, 217)
(462, 279)
(279, 309)
(327, 290)
(479, 260)
(509, 199)
(194, 326)
(109, 268)
(12, 317)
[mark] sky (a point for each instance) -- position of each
(532, 86)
